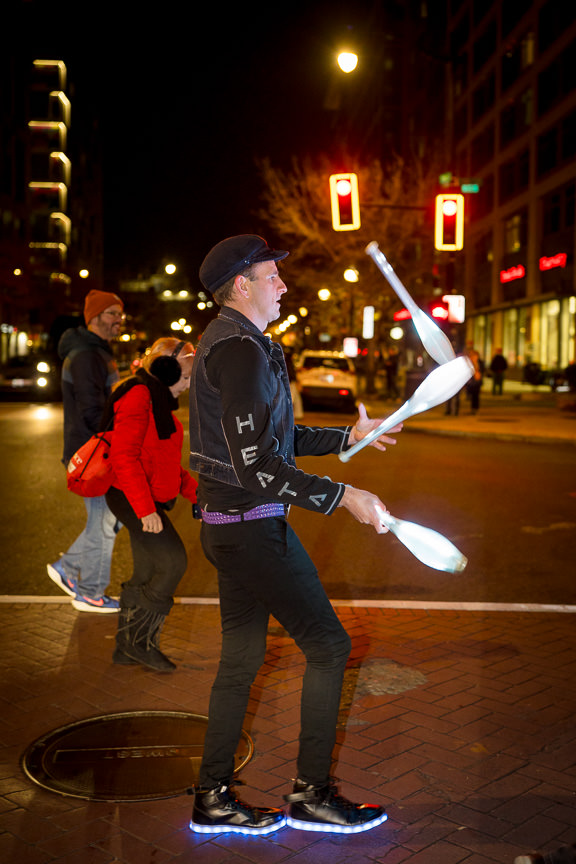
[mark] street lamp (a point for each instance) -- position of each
(347, 61)
(351, 275)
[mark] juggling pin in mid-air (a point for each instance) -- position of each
(433, 339)
(441, 384)
(430, 547)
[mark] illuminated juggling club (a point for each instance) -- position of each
(432, 337)
(441, 384)
(430, 547)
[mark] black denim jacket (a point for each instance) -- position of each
(243, 441)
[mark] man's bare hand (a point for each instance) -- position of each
(362, 505)
(364, 425)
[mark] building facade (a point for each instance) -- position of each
(514, 132)
(50, 205)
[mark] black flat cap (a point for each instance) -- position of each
(233, 255)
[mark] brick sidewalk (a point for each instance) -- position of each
(461, 723)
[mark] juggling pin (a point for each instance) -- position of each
(433, 339)
(441, 384)
(430, 547)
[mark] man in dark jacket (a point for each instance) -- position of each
(243, 444)
(88, 375)
(498, 367)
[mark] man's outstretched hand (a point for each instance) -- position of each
(364, 425)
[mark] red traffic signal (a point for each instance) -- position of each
(439, 310)
(345, 202)
(449, 222)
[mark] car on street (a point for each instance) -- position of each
(327, 379)
(31, 377)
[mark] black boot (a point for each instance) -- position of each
(137, 639)
(119, 657)
(321, 808)
(218, 810)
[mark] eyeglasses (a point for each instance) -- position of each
(119, 315)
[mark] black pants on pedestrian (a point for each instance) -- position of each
(264, 570)
(159, 559)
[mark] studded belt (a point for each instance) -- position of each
(264, 511)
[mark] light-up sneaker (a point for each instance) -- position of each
(321, 808)
(219, 811)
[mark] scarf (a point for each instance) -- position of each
(163, 403)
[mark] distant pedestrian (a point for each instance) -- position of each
(88, 375)
(498, 368)
(391, 370)
(294, 390)
(475, 383)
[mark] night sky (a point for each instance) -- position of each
(187, 96)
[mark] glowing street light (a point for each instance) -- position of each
(324, 294)
(347, 61)
(170, 269)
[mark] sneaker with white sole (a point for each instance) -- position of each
(322, 808)
(219, 811)
(565, 855)
(103, 604)
(59, 577)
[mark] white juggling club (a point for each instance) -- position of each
(433, 339)
(441, 384)
(430, 547)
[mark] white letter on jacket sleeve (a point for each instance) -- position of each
(249, 454)
(249, 422)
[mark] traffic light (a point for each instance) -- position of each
(345, 202)
(449, 222)
(439, 310)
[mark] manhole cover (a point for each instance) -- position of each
(133, 756)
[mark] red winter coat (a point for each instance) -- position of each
(147, 468)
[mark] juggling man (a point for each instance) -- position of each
(243, 445)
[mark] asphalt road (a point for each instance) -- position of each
(509, 506)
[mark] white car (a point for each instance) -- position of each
(327, 378)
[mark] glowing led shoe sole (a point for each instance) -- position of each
(334, 828)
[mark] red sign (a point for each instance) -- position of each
(555, 261)
(512, 273)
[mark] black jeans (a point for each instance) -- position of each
(159, 559)
(264, 570)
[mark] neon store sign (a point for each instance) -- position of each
(555, 261)
(545, 263)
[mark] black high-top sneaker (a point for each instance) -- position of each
(321, 808)
(218, 810)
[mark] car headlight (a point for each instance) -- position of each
(42, 382)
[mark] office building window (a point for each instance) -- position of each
(514, 176)
(483, 98)
(515, 232)
(482, 149)
(485, 46)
